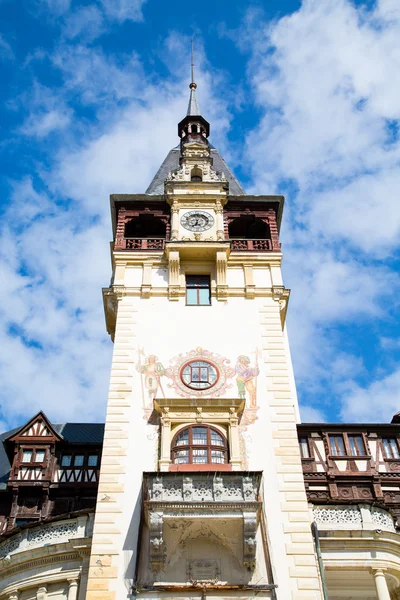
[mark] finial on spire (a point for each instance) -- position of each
(193, 108)
(192, 85)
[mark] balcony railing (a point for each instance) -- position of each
(142, 244)
(252, 245)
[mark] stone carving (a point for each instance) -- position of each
(202, 490)
(35, 537)
(9, 546)
(337, 515)
(205, 571)
(382, 519)
(249, 491)
(173, 496)
(189, 488)
(249, 540)
(157, 546)
(353, 517)
(51, 533)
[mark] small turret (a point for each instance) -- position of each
(193, 128)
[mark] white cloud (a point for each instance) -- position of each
(85, 22)
(40, 125)
(123, 10)
(376, 402)
(325, 81)
(47, 111)
(51, 317)
(312, 415)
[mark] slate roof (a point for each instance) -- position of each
(193, 107)
(171, 163)
(73, 433)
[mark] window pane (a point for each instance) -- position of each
(217, 456)
(391, 448)
(181, 457)
(356, 445)
(183, 438)
(199, 456)
(199, 436)
(92, 460)
(337, 445)
(27, 456)
(204, 294)
(191, 296)
(304, 449)
(39, 456)
(78, 461)
(395, 448)
(66, 460)
(216, 439)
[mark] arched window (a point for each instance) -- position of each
(196, 174)
(249, 227)
(145, 226)
(199, 445)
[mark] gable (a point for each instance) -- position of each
(38, 428)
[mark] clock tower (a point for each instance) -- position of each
(201, 490)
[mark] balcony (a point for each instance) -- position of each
(253, 245)
(141, 244)
(180, 507)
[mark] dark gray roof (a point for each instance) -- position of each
(73, 433)
(193, 107)
(171, 163)
(81, 433)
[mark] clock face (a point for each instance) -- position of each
(197, 220)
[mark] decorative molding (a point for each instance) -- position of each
(157, 546)
(249, 540)
(339, 517)
(226, 372)
(44, 534)
(361, 517)
(203, 571)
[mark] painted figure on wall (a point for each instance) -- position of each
(152, 370)
(245, 379)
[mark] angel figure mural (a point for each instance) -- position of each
(246, 374)
(151, 370)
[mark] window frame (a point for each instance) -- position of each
(190, 446)
(33, 460)
(396, 441)
(348, 454)
(198, 287)
(189, 364)
(305, 439)
(73, 454)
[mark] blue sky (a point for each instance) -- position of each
(302, 98)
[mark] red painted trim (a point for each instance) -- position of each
(200, 468)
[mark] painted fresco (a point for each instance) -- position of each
(230, 378)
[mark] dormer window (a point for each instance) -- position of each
(199, 445)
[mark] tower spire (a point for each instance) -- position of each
(193, 108)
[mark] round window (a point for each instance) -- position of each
(199, 374)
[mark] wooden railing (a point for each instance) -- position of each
(252, 245)
(141, 244)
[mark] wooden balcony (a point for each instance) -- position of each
(140, 244)
(254, 246)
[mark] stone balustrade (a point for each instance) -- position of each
(45, 534)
